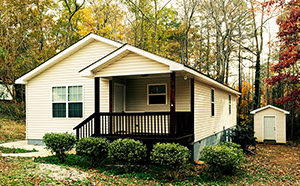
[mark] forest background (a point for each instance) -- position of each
(231, 41)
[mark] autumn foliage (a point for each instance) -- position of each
(287, 69)
(245, 105)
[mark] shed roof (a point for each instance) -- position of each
(269, 106)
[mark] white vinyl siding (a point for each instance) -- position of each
(38, 91)
(136, 94)
(133, 64)
(205, 125)
(280, 124)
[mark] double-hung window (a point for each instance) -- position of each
(67, 102)
(229, 104)
(157, 94)
(212, 102)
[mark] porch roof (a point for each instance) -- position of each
(173, 66)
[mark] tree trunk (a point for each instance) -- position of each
(208, 51)
(257, 83)
(240, 79)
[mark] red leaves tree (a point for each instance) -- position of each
(286, 71)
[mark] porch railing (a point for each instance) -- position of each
(135, 124)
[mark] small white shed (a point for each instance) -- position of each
(270, 124)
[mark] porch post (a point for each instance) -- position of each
(172, 104)
(97, 105)
(110, 96)
(110, 105)
(192, 105)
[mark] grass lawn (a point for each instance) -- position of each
(271, 165)
(15, 150)
(11, 130)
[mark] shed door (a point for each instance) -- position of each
(269, 127)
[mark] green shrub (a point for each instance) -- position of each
(230, 144)
(244, 136)
(95, 148)
(59, 143)
(224, 158)
(128, 151)
(170, 155)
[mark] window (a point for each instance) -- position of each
(67, 101)
(157, 94)
(229, 104)
(212, 102)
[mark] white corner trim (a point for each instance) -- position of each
(56, 58)
(269, 106)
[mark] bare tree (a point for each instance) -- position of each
(225, 17)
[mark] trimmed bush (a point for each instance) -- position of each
(95, 148)
(59, 143)
(230, 144)
(225, 158)
(170, 155)
(244, 136)
(128, 151)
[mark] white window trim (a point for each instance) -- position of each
(67, 102)
(213, 102)
(165, 94)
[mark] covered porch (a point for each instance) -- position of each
(146, 107)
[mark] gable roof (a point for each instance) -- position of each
(269, 106)
(88, 71)
(122, 48)
(64, 53)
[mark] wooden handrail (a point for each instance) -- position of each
(135, 124)
(132, 113)
(85, 121)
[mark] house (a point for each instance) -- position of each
(4, 92)
(270, 124)
(100, 87)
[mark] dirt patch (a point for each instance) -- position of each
(11, 130)
(61, 173)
